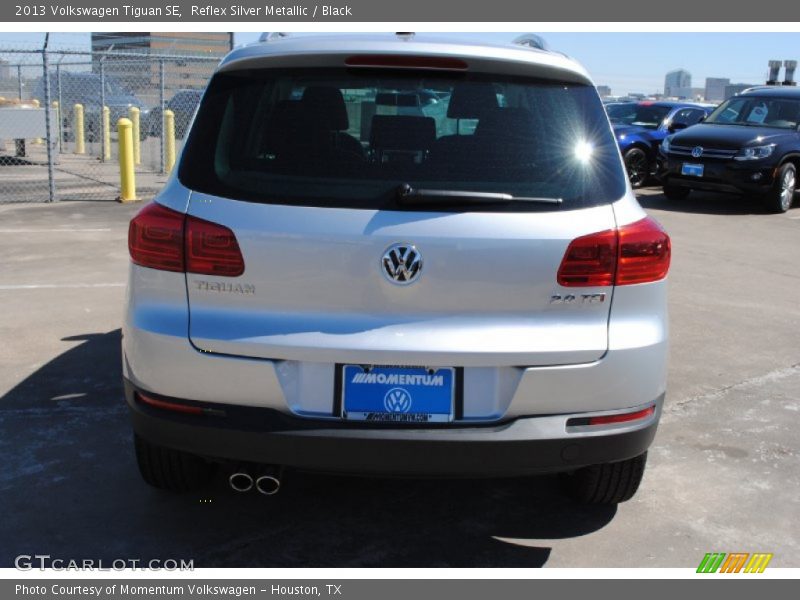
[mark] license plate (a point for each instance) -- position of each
(692, 170)
(398, 394)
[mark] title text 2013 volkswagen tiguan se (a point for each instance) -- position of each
(326, 284)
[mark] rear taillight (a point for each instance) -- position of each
(161, 238)
(634, 253)
(155, 238)
(590, 261)
(644, 252)
(212, 249)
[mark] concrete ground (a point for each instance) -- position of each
(723, 474)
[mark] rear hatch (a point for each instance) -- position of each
(319, 188)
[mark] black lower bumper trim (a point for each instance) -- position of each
(470, 451)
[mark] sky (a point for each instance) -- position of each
(627, 62)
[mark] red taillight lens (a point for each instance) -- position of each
(212, 249)
(161, 238)
(644, 252)
(634, 253)
(624, 418)
(155, 238)
(590, 261)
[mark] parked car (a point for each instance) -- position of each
(86, 88)
(640, 127)
(485, 303)
(749, 145)
(183, 104)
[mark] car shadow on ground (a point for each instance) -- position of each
(72, 484)
(707, 203)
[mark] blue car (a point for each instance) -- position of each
(640, 127)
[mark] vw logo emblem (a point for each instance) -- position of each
(397, 400)
(401, 263)
(697, 151)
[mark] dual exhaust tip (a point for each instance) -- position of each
(266, 481)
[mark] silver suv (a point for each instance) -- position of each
(328, 283)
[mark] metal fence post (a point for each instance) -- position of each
(19, 81)
(48, 130)
(162, 105)
(60, 106)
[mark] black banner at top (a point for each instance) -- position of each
(449, 11)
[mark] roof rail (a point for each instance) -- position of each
(271, 36)
(531, 40)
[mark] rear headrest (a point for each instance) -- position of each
(325, 106)
(472, 101)
(402, 132)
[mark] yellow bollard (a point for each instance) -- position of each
(80, 143)
(127, 178)
(137, 146)
(106, 133)
(169, 140)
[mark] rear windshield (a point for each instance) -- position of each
(350, 138)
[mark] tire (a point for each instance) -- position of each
(779, 199)
(637, 166)
(170, 470)
(608, 483)
(676, 192)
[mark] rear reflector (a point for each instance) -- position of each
(400, 61)
(611, 419)
(166, 405)
(635, 253)
(624, 418)
(161, 238)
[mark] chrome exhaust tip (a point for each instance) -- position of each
(241, 481)
(269, 485)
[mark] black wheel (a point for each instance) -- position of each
(608, 483)
(169, 469)
(779, 199)
(638, 167)
(676, 192)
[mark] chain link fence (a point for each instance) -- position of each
(88, 92)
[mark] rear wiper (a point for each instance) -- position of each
(409, 196)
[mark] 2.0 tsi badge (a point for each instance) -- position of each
(401, 263)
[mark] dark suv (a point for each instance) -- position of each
(749, 145)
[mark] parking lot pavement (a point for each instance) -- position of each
(724, 473)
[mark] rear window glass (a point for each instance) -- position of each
(350, 138)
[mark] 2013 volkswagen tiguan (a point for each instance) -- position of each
(326, 284)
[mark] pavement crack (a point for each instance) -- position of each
(770, 376)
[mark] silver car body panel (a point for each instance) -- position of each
(483, 301)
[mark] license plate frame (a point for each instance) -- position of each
(363, 394)
(692, 169)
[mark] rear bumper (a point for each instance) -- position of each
(522, 446)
